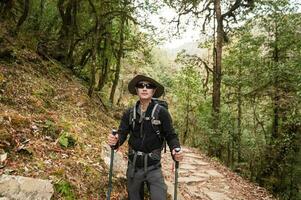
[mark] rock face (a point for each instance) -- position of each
(120, 163)
(24, 188)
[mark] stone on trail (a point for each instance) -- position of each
(119, 165)
(214, 173)
(217, 195)
(191, 180)
(24, 188)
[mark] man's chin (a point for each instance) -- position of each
(145, 98)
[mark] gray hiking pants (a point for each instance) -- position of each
(154, 178)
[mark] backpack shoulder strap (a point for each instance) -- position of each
(155, 112)
(132, 117)
(155, 116)
(156, 124)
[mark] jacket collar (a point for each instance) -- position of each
(149, 108)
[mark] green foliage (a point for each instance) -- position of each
(262, 71)
(186, 87)
(65, 189)
(49, 128)
(66, 140)
(44, 17)
(86, 35)
(260, 108)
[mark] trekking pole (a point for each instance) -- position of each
(114, 132)
(176, 174)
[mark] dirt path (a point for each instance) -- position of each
(200, 178)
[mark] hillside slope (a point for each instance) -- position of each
(49, 127)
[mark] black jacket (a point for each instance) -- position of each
(148, 141)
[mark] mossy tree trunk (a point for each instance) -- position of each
(120, 53)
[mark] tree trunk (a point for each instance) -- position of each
(119, 56)
(229, 151)
(239, 116)
(276, 104)
(106, 52)
(68, 30)
(215, 147)
(42, 6)
(232, 154)
(106, 57)
(73, 32)
(121, 93)
(185, 136)
(94, 44)
(93, 69)
(24, 15)
(66, 18)
(276, 92)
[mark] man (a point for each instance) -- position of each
(146, 139)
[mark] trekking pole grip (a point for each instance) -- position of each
(114, 132)
(177, 150)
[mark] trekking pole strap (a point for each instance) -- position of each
(145, 164)
(134, 166)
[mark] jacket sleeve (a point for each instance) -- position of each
(124, 128)
(168, 130)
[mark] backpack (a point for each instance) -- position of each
(156, 123)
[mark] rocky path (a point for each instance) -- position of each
(200, 178)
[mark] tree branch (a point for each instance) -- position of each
(237, 4)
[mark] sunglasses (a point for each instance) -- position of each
(147, 85)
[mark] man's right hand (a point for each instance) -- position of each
(112, 139)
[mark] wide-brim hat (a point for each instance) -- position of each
(132, 85)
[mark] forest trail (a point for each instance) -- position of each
(200, 178)
(205, 179)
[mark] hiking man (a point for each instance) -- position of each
(148, 124)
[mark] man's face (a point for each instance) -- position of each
(145, 90)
